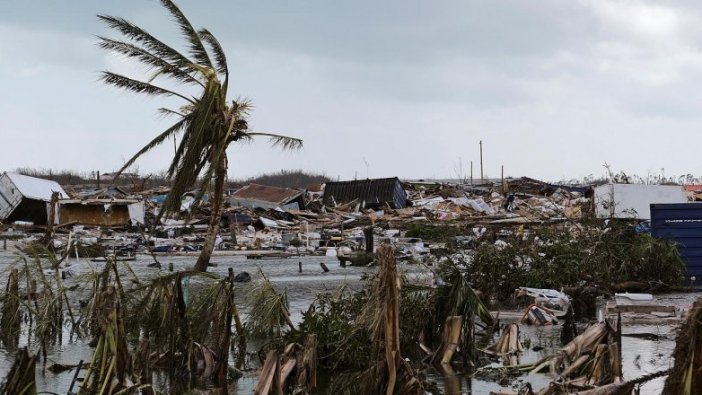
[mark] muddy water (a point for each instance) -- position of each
(640, 356)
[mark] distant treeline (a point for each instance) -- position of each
(135, 183)
(128, 181)
(289, 179)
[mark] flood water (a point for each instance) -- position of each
(640, 356)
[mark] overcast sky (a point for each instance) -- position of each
(553, 88)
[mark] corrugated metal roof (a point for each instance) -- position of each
(36, 188)
(372, 192)
(266, 193)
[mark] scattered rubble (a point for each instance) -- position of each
(266, 219)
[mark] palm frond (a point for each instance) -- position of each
(268, 309)
(137, 86)
(166, 112)
(150, 42)
(147, 58)
(175, 128)
(195, 148)
(277, 140)
(197, 48)
(219, 56)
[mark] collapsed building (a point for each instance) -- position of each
(101, 212)
(267, 197)
(369, 193)
(26, 199)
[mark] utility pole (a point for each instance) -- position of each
(482, 179)
(502, 179)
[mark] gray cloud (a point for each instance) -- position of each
(553, 88)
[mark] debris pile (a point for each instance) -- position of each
(263, 218)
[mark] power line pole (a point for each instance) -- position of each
(502, 179)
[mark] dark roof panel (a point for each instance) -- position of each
(372, 192)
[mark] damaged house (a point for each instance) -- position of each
(375, 193)
(101, 212)
(267, 197)
(24, 198)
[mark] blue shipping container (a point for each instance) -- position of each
(681, 223)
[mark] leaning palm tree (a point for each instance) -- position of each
(207, 123)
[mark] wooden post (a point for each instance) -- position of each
(471, 173)
(53, 205)
(324, 267)
(170, 266)
(482, 179)
(299, 267)
(98, 179)
(4, 243)
(368, 233)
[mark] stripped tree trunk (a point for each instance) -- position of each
(450, 338)
(269, 380)
(392, 315)
(53, 205)
(216, 198)
(307, 371)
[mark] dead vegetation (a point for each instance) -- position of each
(181, 323)
(378, 340)
(685, 377)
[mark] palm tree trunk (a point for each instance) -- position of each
(216, 198)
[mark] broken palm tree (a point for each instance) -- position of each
(268, 309)
(591, 360)
(41, 296)
(388, 373)
(295, 373)
(10, 320)
(458, 306)
(686, 378)
(109, 369)
(508, 345)
(188, 333)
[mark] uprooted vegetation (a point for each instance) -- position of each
(377, 340)
(179, 323)
(608, 257)
(347, 325)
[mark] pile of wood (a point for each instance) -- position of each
(592, 359)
